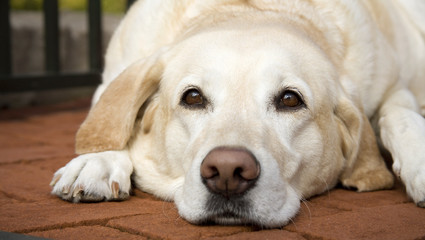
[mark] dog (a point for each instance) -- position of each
(237, 110)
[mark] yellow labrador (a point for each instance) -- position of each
(236, 110)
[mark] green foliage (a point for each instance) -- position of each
(110, 6)
(113, 6)
(26, 4)
(74, 5)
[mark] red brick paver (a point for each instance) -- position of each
(33, 146)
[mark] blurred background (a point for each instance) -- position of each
(108, 6)
(28, 77)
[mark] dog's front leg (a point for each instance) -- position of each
(94, 177)
(402, 131)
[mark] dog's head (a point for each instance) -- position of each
(236, 124)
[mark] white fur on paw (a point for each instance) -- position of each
(414, 179)
(403, 134)
(94, 177)
(416, 189)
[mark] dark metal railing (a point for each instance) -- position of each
(5, 52)
(51, 33)
(52, 78)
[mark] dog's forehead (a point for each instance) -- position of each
(247, 47)
(241, 47)
(248, 58)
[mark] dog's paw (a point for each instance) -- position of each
(414, 179)
(371, 180)
(415, 188)
(94, 177)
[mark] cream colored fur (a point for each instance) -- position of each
(356, 64)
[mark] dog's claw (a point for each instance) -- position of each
(66, 190)
(421, 204)
(115, 189)
(55, 179)
(77, 191)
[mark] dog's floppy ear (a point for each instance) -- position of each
(364, 169)
(110, 122)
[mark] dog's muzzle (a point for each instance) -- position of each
(229, 173)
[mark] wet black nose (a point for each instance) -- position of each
(229, 171)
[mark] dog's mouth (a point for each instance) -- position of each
(234, 210)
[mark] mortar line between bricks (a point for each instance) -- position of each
(135, 232)
(308, 236)
(305, 235)
(14, 197)
(156, 237)
(95, 222)
(31, 161)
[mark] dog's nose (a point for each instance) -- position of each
(229, 171)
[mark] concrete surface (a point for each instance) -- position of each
(35, 142)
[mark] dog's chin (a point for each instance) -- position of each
(226, 210)
(229, 211)
(228, 219)
(249, 209)
(235, 213)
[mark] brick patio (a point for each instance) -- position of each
(37, 141)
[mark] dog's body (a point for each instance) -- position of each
(236, 110)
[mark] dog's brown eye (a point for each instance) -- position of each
(193, 98)
(289, 100)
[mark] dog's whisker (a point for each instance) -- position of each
(293, 222)
(305, 202)
(328, 192)
(165, 210)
